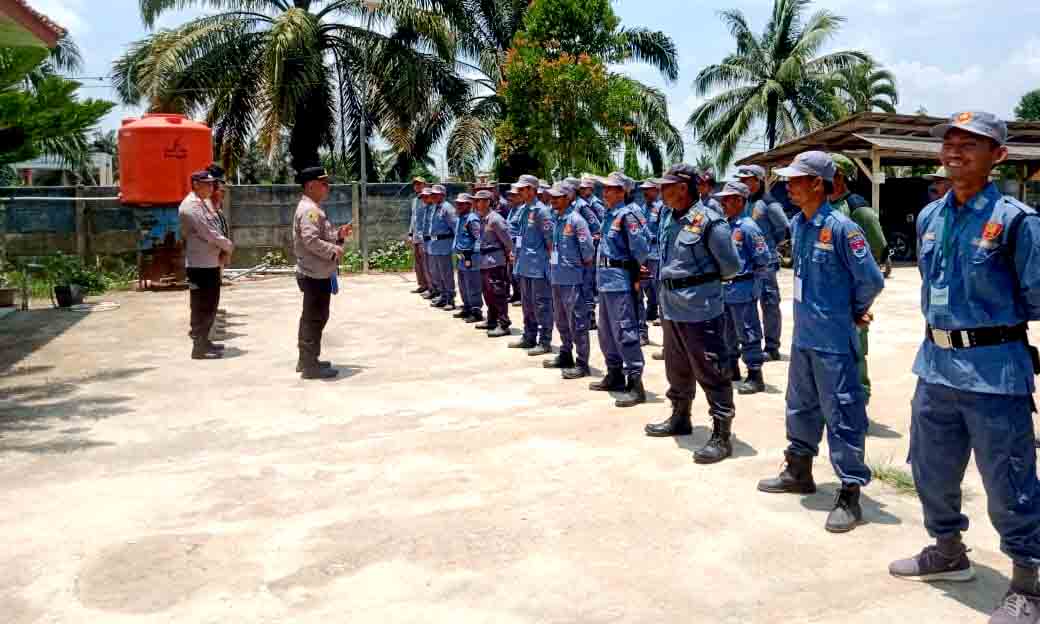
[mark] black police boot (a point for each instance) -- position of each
(753, 384)
(719, 445)
(430, 294)
(521, 344)
(540, 350)
(734, 372)
(644, 341)
(300, 365)
(796, 477)
(659, 355)
(592, 325)
(486, 325)
(438, 303)
(563, 360)
(317, 372)
(461, 314)
(200, 350)
(1021, 604)
(474, 316)
(498, 332)
(678, 424)
(418, 291)
(613, 382)
(634, 392)
(773, 355)
(576, 372)
(847, 513)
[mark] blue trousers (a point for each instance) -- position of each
(588, 291)
(948, 424)
(443, 274)
(823, 389)
(648, 298)
(470, 289)
(772, 322)
(572, 320)
(743, 334)
(536, 299)
(619, 332)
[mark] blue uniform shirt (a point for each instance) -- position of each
(467, 241)
(422, 218)
(624, 240)
(972, 281)
(712, 203)
(653, 214)
(754, 257)
(836, 281)
(442, 223)
(598, 205)
(770, 218)
(587, 212)
(572, 248)
(698, 243)
(532, 254)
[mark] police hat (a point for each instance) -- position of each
(752, 171)
(463, 198)
(438, 189)
(976, 122)
(677, 174)
(738, 189)
(812, 163)
(203, 176)
(217, 172)
(483, 195)
(310, 174)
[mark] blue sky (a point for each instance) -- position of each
(947, 54)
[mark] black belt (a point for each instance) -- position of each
(437, 237)
(609, 263)
(747, 277)
(487, 250)
(979, 337)
(693, 280)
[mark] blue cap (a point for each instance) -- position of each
(752, 171)
(483, 195)
(528, 180)
(614, 179)
(463, 198)
(309, 174)
(815, 163)
(976, 122)
(734, 188)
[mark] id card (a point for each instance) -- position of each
(939, 296)
(554, 258)
(517, 242)
(797, 288)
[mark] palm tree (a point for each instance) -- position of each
(487, 30)
(865, 87)
(775, 79)
(259, 67)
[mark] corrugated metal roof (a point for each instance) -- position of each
(928, 149)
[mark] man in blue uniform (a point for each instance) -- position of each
(835, 282)
(415, 238)
(980, 265)
(622, 250)
(441, 232)
(517, 210)
(770, 218)
(467, 253)
(697, 253)
(586, 194)
(495, 247)
(652, 207)
(422, 238)
(531, 258)
(743, 332)
(706, 190)
(572, 253)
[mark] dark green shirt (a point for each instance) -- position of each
(856, 208)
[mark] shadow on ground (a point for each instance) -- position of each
(700, 437)
(983, 594)
(873, 510)
(25, 332)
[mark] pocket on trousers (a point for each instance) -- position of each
(629, 333)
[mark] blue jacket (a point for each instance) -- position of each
(770, 218)
(983, 285)
(698, 243)
(442, 225)
(422, 219)
(532, 254)
(598, 205)
(624, 240)
(587, 212)
(495, 243)
(653, 214)
(467, 241)
(572, 249)
(836, 281)
(754, 258)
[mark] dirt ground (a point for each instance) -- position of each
(441, 478)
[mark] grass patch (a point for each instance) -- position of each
(899, 479)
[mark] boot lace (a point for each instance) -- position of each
(1016, 605)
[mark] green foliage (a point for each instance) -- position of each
(275, 258)
(863, 88)
(108, 273)
(1028, 108)
(389, 256)
(63, 270)
(899, 479)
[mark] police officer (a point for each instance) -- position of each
(940, 184)
(586, 194)
(697, 253)
(706, 188)
(204, 243)
(862, 214)
(517, 212)
(770, 218)
(531, 259)
(584, 208)
(415, 229)
(495, 247)
(441, 232)
(467, 252)
(622, 250)
(422, 237)
(980, 265)
(652, 207)
(743, 332)
(572, 253)
(318, 247)
(835, 282)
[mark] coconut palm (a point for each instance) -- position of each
(777, 79)
(487, 29)
(258, 67)
(865, 87)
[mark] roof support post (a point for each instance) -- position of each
(875, 180)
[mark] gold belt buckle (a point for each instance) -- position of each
(941, 338)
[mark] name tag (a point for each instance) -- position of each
(797, 288)
(940, 296)
(517, 242)
(554, 258)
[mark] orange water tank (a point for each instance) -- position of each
(157, 155)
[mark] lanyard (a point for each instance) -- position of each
(952, 229)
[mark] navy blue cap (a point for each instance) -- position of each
(310, 174)
(203, 176)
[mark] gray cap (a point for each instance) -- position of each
(630, 184)
(816, 164)
(752, 171)
(734, 188)
(426, 191)
(677, 174)
(588, 183)
(527, 180)
(614, 180)
(649, 184)
(463, 198)
(975, 122)
(575, 182)
(940, 174)
(438, 189)
(483, 195)
(559, 190)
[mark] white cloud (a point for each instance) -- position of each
(66, 13)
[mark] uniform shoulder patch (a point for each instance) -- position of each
(568, 230)
(313, 216)
(616, 225)
(698, 219)
(857, 244)
(992, 231)
(635, 224)
(760, 243)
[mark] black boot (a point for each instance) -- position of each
(523, 343)
(475, 316)
(753, 384)
(796, 477)
(300, 365)
(200, 350)
(461, 314)
(317, 372)
(846, 514)
(773, 355)
(613, 382)
(540, 350)
(429, 294)
(563, 360)
(634, 392)
(214, 347)
(576, 372)
(719, 445)
(438, 303)
(498, 332)
(678, 424)
(486, 325)
(420, 290)
(734, 372)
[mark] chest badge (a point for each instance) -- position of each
(568, 230)
(992, 231)
(699, 219)
(738, 235)
(826, 235)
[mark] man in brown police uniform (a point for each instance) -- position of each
(318, 246)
